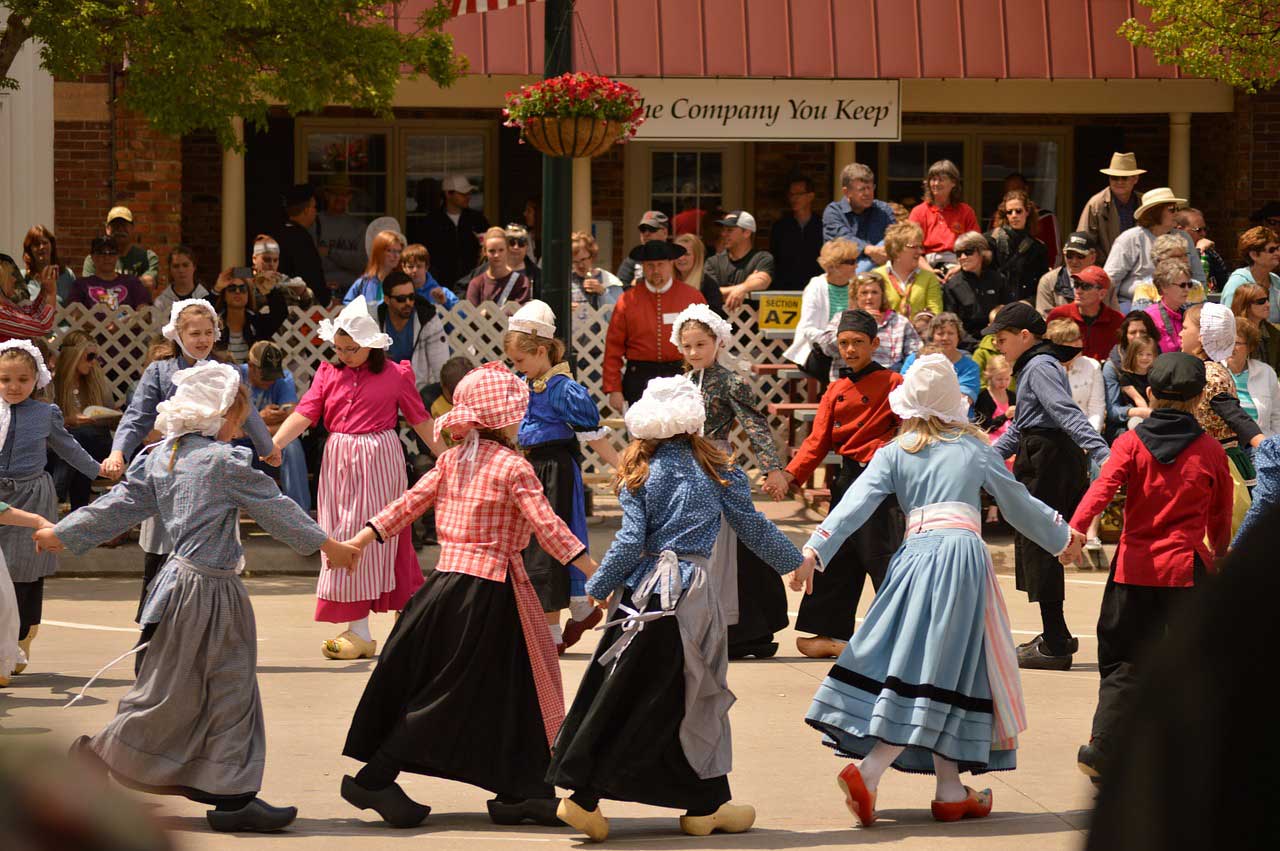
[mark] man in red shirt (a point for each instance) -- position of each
(640, 328)
(854, 419)
(1179, 494)
(1098, 323)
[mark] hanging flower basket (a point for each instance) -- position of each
(574, 115)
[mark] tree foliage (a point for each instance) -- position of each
(1235, 41)
(197, 64)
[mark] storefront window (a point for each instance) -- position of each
(686, 185)
(428, 159)
(909, 163)
(1036, 161)
(355, 160)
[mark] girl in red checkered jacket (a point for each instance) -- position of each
(468, 685)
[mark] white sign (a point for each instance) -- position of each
(699, 108)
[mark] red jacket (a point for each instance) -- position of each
(1098, 336)
(854, 417)
(640, 328)
(1169, 509)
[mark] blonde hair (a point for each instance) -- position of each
(835, 252)
(67, 379)
(167, 349)
(897, 236)
(918, 432)
(633, 466)
(523, 341)
(1130, 360)
(1063, 332)
(698, 252)
(1187, 406)
(997, 364)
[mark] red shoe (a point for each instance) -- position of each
(977, 805)
(856, 797)
(574, 630)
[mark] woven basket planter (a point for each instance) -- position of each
(571, 137)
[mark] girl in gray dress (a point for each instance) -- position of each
(192, 723)
(28, 429)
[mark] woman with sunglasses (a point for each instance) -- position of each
(88, 406)
(1019, 256)
(977, 289)
(518, 255)
(825, 297)
(244, 321)
(1253, 303)
(1173, 280)
(1260, 248)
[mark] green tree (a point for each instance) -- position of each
(197, 64)
(1235, 41)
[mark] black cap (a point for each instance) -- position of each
(1080, 241)
(299, 193)
(859, 321)
(656, 250)
(103, 245)
(1269, 210)
(1017, 316)
(270, 363)
(1176, 376)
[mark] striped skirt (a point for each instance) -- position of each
(360, 474)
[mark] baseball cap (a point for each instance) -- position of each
(103, 245)
(655, 219)
(1176, 376)
(739, 219)
(458, 183)
(119, 213)
(1093, 275)
(269, 359)
(1079, 242)
(1017, 316)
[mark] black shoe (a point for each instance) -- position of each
(396, 808)
(1073, 644)
(257, 816)
(537, 810)
(1035, 657)
(1032, 642)
(1089, 761)
(760, 650)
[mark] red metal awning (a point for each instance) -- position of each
(904, 39)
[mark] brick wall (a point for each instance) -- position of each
(81, 174)
(149, 180)
(201, 202)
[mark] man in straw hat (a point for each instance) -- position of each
(1113, 209)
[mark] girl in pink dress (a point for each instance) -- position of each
(361, 399)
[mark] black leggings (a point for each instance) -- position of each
(30, 597)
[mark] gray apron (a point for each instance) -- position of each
(194, 716)
(704, 729)
(723, 566)
(33, 493)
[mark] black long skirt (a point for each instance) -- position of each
(621, 738)
(762, 603)
(1056, 472)
(557, 468)
(453, 695)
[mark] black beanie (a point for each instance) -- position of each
(860, 321)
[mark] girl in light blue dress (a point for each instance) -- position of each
(929, 683)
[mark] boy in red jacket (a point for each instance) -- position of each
(854, 420)
(1179, 494)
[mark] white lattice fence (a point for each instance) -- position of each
(124, 336)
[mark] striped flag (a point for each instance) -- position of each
(468, 7)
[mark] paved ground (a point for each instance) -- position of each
(780, 766)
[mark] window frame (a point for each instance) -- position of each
(638, 178)
(397, 131)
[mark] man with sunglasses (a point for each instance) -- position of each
(415, 329)
(654, 225)
(1055, 287)
(1098, 323)
(1191, 220)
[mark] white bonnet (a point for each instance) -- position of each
(202, 395)
(701, 313)
(669, 406)
(1217, 331)
(930, 389)
(358, 325)
(534, 317)
(42, 371)
(170, 331)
